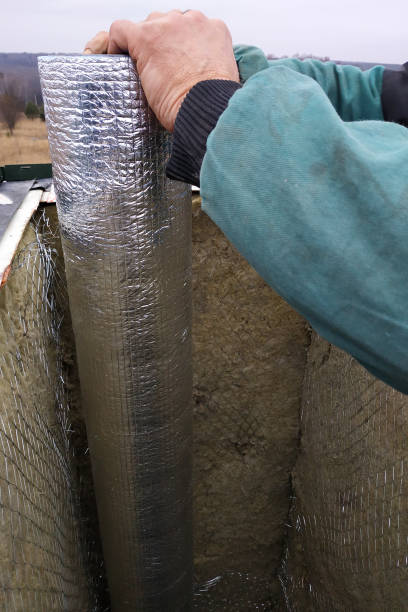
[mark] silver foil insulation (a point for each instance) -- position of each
(126, 232)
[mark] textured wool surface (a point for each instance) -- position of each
(249, 359)
(348, 546)
(42, 564)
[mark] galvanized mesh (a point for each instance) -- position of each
(46, 546)
(348, 536)
(348, 529)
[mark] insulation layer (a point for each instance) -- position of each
(126, 233)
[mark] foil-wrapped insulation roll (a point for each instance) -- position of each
(126, 233)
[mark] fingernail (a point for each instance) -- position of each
(88, 51)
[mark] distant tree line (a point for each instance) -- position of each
(12, 103)
(23, 68)
(20, 90)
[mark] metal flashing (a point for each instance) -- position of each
(11, 196)
(14, 232)
(25, 172)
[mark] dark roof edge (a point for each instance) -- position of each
(25, 172)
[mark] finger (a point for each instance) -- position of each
(195, 15)
(97, 44)
(158, 15)
(122, 36)
(154, 15)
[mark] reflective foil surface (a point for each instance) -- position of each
(126, 232)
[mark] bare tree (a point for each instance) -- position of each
(10, 103)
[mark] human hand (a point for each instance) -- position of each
(173, 52)
(98, 44)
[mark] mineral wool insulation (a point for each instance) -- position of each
(126, 235)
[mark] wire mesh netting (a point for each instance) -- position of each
(46, 545)
(240, 575)
(348, 529)
(348, 542)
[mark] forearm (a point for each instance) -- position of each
(196, 119)
(355, 94)
(377, 93)
(319, 208)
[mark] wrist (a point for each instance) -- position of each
(208, 76)
(197, 117)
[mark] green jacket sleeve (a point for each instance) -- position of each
(355, 94)
(319, 207)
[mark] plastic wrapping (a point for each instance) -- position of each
(126, 234)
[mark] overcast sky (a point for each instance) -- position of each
(365, 30)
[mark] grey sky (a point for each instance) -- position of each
(363, 30)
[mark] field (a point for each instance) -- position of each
(27, 145)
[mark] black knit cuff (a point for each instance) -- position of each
(394, 96)
(197, 117)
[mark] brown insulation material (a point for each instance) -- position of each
(41, 554)
(249, 359)
(349, 538)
